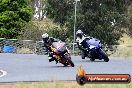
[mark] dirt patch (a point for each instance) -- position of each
(24, 51)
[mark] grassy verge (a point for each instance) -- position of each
(63, 85)
(125, 47)
(123, 51)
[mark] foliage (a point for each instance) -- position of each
(59, 10)
(99, 18)
(14, 14)
(33, 30)
(58, 31)
(30, 32)
(130, 19)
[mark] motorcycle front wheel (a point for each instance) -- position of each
(92, 59)
(68, 61)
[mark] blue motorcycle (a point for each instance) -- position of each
(94, 50)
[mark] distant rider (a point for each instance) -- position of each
(47, 43)
(80, 38)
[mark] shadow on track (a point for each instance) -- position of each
(88, 61)
(58, 66)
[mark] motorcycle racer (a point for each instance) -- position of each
(80, 38)
(47, 43)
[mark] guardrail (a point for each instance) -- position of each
(36, 47)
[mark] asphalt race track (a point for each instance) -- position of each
(29, 67)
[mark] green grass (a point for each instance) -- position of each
(125, 47)
(87, 86)
(64, 85)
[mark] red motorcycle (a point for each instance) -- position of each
(61, 53)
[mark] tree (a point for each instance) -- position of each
(130, 19)
(14, 14)
(99, 18)
(103, 19)
(59, 10)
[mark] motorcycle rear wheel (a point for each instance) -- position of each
(104, 56)
(69, 62)
(92, 59)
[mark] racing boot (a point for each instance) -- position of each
(50, 59)
(83, 55)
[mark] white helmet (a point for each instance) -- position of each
(45, 35)
(79, 32)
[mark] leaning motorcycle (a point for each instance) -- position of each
(94, 50)
(61, 54)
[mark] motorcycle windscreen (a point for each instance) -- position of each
(94, 42)
(85, 44)
(59, 46)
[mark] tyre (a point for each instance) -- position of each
(65, 64)
(92, 59)
(106, 59)
(104, 56)
(68, 60)
(81, 80)
(82, 55)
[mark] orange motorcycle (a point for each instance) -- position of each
(61, 53)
